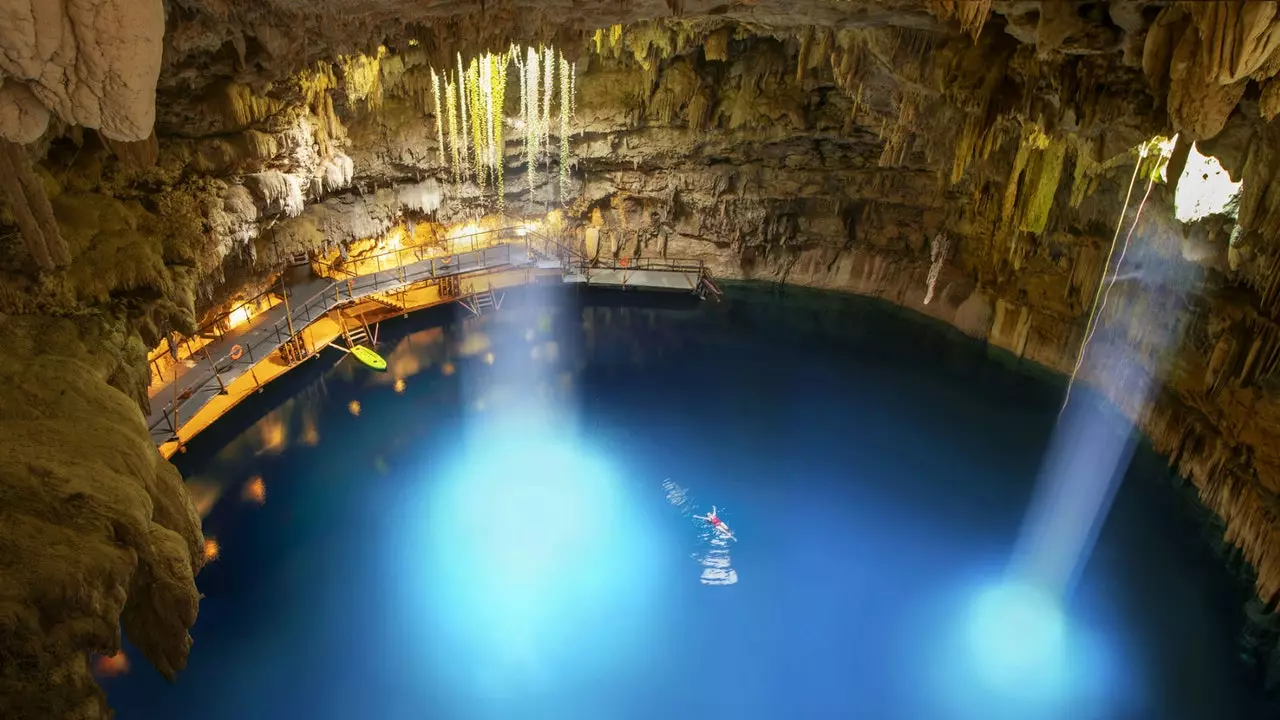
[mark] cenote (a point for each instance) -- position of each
(501, 526)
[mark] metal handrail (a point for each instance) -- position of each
(213, 323)
(377, 258)
(580, 256)
(651, 263)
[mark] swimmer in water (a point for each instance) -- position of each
(717, 523)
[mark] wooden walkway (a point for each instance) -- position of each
(235, 363)
(226, 359)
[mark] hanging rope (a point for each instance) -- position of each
(1091, 326)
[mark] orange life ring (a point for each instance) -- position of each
(624, 262)
(446, 259)
(236, 352)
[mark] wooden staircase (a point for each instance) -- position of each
(357, 335)
(386, 301)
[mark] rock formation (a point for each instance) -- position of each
(984, 163)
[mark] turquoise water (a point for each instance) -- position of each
(509, 533)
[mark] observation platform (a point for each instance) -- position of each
(625, 278)
(310, 308)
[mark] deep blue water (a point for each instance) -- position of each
(496, 541)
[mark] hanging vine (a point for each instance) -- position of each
(435, 91)
(548, 89)
(531, 115)
(497, 122)
(452, 101)
(462, 103)
(566, 107)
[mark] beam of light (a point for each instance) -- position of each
(527, 568)
(1095, 315)
(1143, 150)
(1091, 447)
(1019, 635)
(1081, 472)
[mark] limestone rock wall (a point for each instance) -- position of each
(93, 63)
(96, 527)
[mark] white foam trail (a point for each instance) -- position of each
(717, 565)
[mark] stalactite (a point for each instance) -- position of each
(896, 143)
(573, 92)
(806, 35)
(143, 154)
(363, 78)
(972, 14)
(1044, 173)
(698, 110)
(31, 209)
(1031, 140)
(715, 47)
(242, 107)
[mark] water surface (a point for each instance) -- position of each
(491, 537)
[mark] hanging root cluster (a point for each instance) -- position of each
(474, 109)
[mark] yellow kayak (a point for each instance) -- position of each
(369, 357)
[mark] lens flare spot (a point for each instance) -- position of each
(111, 665)
(353, 407)
(255, 490)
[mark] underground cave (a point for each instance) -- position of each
(513, 359)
